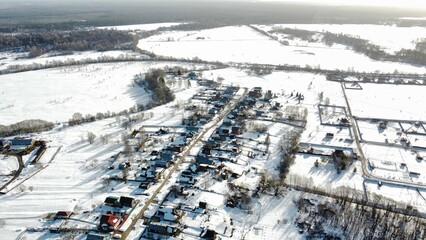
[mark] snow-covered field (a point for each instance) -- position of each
(244, 45)
(141, 27)
(391, 38)
(49, 58)
(388, 101)
(56, 94)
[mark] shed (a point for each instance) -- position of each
(329, 135)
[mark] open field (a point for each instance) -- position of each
(242, 44)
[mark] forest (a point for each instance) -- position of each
(38, 43)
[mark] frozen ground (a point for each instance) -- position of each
(391, 38)
(56, 94)
(388, 101)
(10, 59)
(242, 44)
(141, 27)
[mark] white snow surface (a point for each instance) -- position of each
(392, 38)
(56, 94)
(242, 44)
(141, 27)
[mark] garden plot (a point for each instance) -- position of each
(333, 115)
(374, 132)
(396, 163)
(388, 101)
(244, 45)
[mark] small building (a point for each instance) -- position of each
(127, 202)
(202, 205)
(112, 201)
(329, 135)
(63, 214)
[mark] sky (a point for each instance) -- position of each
(390, 3)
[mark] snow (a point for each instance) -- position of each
(141, 27)
(8, 164)
(392, 38)
(242, 44)
(388, 101)
(11, 58)
(56, 94)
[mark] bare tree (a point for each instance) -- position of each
(91, 137)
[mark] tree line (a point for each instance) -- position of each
(37, 43)
(26, 126)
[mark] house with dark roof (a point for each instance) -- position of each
(203, 160)
(127, 202)
(21, 143)
(162, 228)
(112, 201)
(63, 214)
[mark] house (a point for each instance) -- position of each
(21, 143)
(96, 236)
(203, 160)
(162, 228)
(109, 222)
(166, 157)
(344, 121)
(63, 214)
(236, 130)
(161, 164)
(146, 184)
(127, 202)
(193, 76)
(383, 124)
(167, 214)
(202, 205)
(208, 234)
(112, 201)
